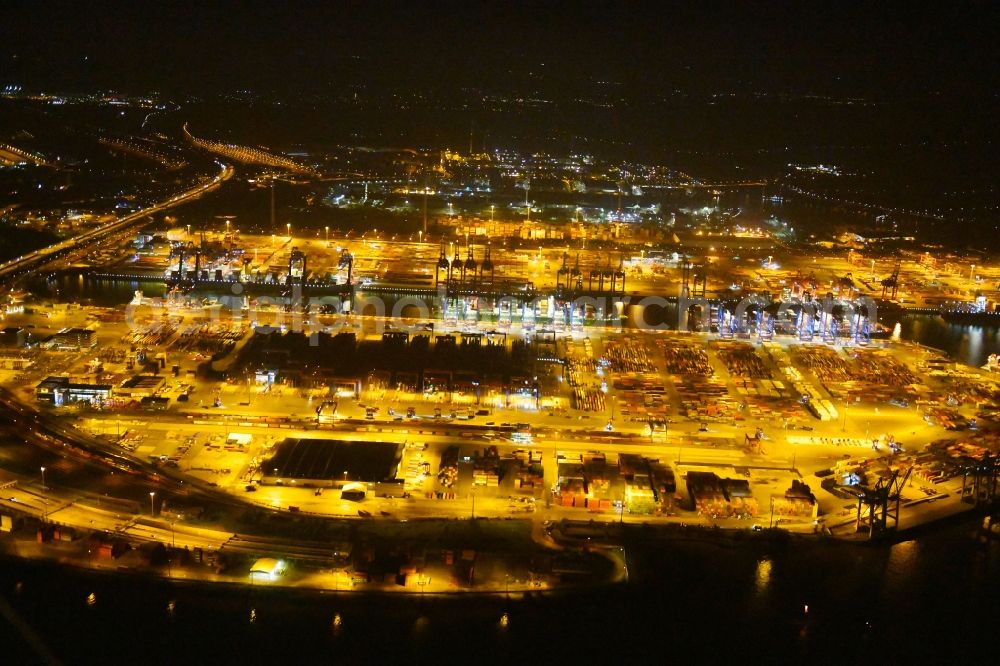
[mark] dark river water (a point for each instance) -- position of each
(930, 599)
(968, 344)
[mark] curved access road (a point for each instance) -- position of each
(38, 258)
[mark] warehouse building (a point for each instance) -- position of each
(330, 462)
(61, 390)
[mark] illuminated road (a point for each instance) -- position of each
(35, 260)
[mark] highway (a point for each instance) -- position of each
(61, 507)
(247, 154)
(38, 258)
(69, 443)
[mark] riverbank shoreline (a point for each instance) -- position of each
(603, 538)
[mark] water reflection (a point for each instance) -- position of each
(901, 564)
(420, 627)
(973, 343)
(762, 578)
(967, 344)
(105, 293)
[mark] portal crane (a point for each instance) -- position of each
(882, 502)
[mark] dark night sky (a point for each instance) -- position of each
(908, 92)
(865, 49)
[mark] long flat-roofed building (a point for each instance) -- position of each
(62, 390)
(330, 462)
(140, 386)
(71, 339)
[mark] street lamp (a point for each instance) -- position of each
(493, 209)
(43, 478)
(327, 234)
(422, 582)
(152, 510)
(289, 228)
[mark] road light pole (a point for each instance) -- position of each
(425, 202)
(272, 206)
(794, 450)
(152, 509)
(43, 478)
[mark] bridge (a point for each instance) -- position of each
(13, 155)
(32, 261)
(248, 154)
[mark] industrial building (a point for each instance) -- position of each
(13, 336)
(61, 390)
(71, 339)
(330, 462)
(140, 386)
(720, 498)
